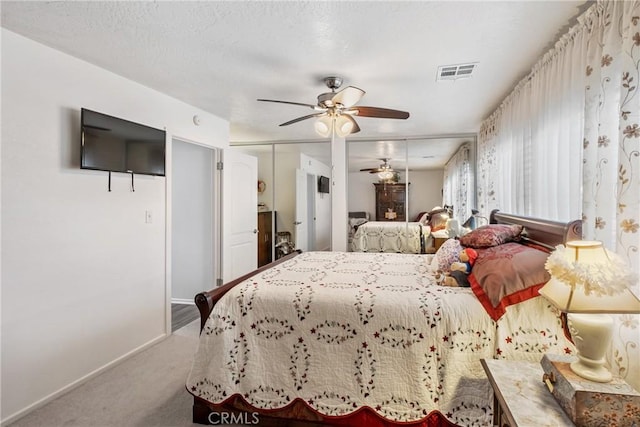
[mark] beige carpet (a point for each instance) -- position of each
(145, 390)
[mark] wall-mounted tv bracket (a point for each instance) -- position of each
(132, 183)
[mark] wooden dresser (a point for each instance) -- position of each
(390, 196)
(265, 238)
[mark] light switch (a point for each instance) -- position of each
(148, 218)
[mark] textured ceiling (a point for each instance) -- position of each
(222, 56)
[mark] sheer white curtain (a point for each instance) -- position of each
(565, 144)
(529, 150)
(458, 184)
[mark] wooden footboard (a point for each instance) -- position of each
(206, 300)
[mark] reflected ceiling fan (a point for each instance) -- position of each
(384, 167)
(335, 110)
(384, 171)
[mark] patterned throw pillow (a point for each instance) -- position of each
(507, 274)
(491, 235)
(448, 253)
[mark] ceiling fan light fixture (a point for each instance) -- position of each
(385, 175)
(324, 126)
(344, 125)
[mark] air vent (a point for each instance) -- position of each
(454, 72)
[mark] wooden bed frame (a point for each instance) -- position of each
(545, 233)
(542, 232)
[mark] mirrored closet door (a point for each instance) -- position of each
(392, 184)
(294, 203)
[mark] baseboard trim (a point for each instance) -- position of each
(183, 301)
(40, 403)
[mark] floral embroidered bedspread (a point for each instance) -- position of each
(346, 330)
(388, 236)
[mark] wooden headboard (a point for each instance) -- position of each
(542, 232)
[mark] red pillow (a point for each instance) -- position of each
(491, 235)
(507, 274)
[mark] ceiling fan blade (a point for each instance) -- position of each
(299, 119)
(369, 169)
(383, 113)
(289, 102)
(348, 96)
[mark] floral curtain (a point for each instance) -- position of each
(611, 152)
(576, 119)
(457, 184)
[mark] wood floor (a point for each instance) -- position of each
(182, 315)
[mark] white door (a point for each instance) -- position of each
(312, 187)
(301, 210)
(240, 214)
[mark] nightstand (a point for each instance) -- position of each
(520, 398)
(438, 241)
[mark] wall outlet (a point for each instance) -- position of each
(148, 217)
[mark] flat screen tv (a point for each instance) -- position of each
(117, 145)
(323, 184)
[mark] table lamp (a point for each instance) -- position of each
(589, 283)
(472, 222)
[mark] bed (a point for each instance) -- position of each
(389, 236)
(349, 338)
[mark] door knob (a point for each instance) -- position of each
(297, 222)
(255, 231)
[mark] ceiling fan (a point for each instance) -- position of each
(384, 167)
(335, 110)
(384, 171)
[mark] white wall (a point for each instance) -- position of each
(265, 174)
(83, 276)
(339, 194)
(425, 191)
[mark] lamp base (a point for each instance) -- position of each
(598, 374)
(591, 334)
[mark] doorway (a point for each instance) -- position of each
(193, 231)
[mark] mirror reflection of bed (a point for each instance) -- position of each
(423, 235)
(430, 172)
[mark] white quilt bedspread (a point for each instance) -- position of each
(388, 236)
(347, 330)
